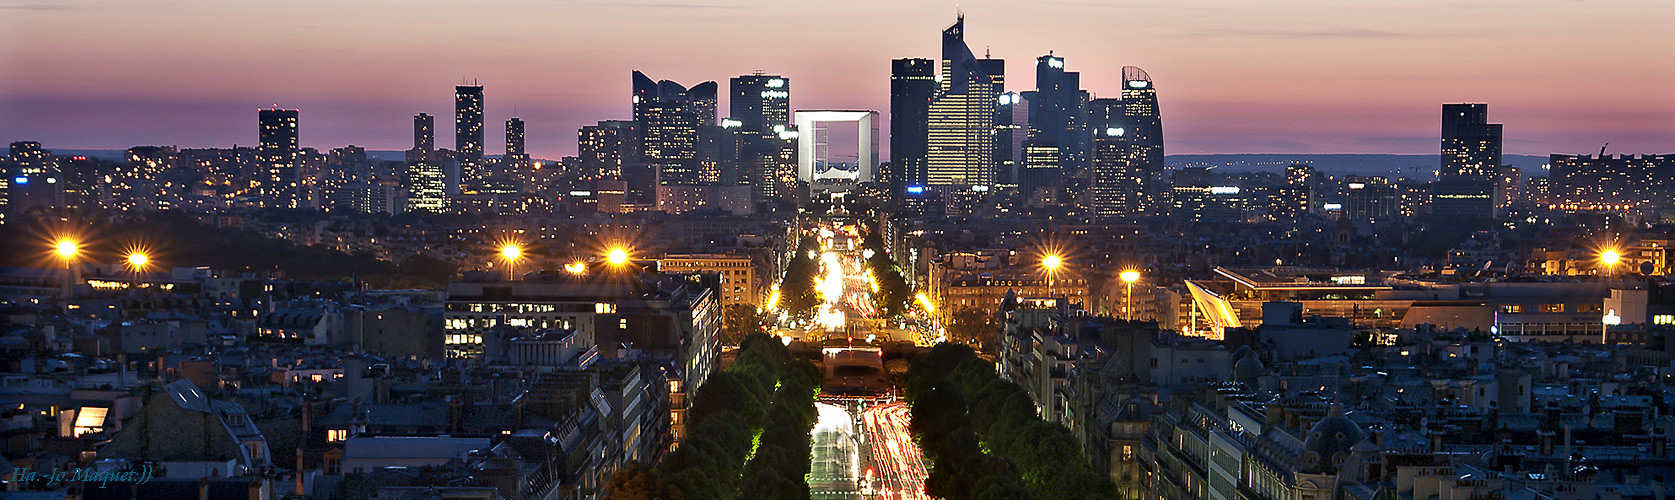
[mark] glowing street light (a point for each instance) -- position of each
(617, 256)
(137, 261)
(577, 267)
(1051, 262)
(1128, 278)
(510, 253)
(66, 249)
(1610, 258)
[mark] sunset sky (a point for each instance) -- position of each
(1233, 76)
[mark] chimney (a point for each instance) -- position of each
(1436, 441)
(1546, 441)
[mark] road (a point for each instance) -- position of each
(896, 459)
(837, 456)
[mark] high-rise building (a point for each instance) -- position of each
(913, 85)
(669, 116)
(760, 101)
(1471, 153)
(424, 133)
(1145, 135)
(605, 148)
(468, 133)
(1058, 112)
(961, 132)
(1471, 146)
(277, 150)
(427, 186)
(515, 154)
(1296, 197)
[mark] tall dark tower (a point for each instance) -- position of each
(912, 86)
(1116, 182)
(1058, 112)
(468, 133)
(759, 102)
(514, 142)
(704, 103)
(277, 150)
(424, 133)
(1471, 146)
(1144, 134)
(1471, 153)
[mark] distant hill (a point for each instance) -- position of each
(1358, 164)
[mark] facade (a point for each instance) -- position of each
(1145, 134)
(515, 155)
(1612, 182)
(278, 152)
(961, 140)
(468, 134)
(814, 164)
(1471, 155)
(424, 133)
(1058, 112)
(741, 283)
(427, 187)
(913, 85)
(759, 101)
(669, 116)
(604, 149)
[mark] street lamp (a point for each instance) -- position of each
(617, 256)
(1610, 257)
(510, 253)
(67, 250)
(136, 264)
(1128, 279)
(1051, 262)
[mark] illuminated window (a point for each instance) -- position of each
(1663, 319)
(337, 435)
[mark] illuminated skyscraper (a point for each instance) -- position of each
(514, 143)
(277, 152)
(961, 133)
(1471, 146)
(912, 87)
(1116, 182)
(1058, 112)
(424, 133)
(1144, 134)
(759, 102)
(468, 133)
(606, 147)
(669, 116)
(1471, 153)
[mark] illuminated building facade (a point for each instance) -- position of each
(424, 133)
(427, 187)
(1295, 198)
(813, 158)
(277, 150)
(605, 148)
(1612, 182)
(913, 85)
(1144, 133)
(1116, 179)
(760, 101)
(1471, 153)
(468, 134)
(1058, 112)
(515, 155)
(740, 283)
(961, 135)
(669, 116)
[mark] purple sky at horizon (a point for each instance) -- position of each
(1282, 76)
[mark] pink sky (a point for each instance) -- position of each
(1280, 76)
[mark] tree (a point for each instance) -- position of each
(637, 482)
(970, 325)
(796, 291)
(739, 321)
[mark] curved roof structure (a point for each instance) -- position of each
(1135, 74)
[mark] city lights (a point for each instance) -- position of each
(137, 261)
(577, 267)
(510, 252)
(66, 248)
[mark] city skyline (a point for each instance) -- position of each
(1364, 80)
